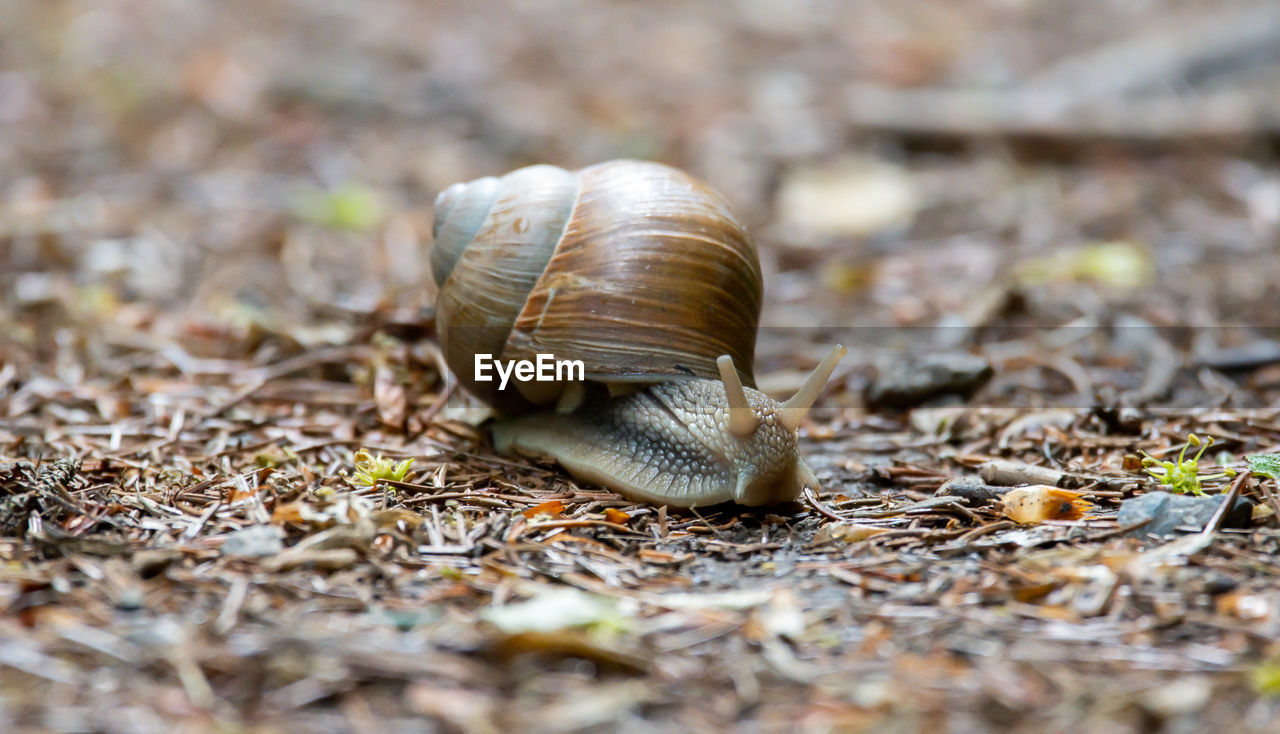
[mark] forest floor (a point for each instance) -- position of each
(214, 296)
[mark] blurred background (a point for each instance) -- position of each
(180, 169)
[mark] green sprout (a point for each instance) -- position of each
(1184, 475)
(1265, 678)
(371, 469)
(350, 206)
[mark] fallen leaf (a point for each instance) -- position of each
(1121, 265)
(1243, 605)
(731, 600)
(552, 509)
(555, 609)
(851, 198)
(848, 532)
(389, 519)
(324, 512)
(662, 557)
(1039, 502)
(332, 559)
(1267, 465)
(571, 643)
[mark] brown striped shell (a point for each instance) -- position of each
(637, 269)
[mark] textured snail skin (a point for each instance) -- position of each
(669, 444)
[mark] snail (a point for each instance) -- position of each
(640, 273)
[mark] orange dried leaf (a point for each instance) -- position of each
(291, 512)
(1243, 606)
(616, 516)
(661, 557)
(1032, 592)
(1039, 502)
(570, 538)
(552, 508)
(238, 494)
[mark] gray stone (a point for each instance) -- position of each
(909, 383)
(257, 541)
(1169, 511)
(974, 491)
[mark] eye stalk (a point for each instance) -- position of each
(743, 421)
(794, 410)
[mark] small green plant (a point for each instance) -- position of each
(350, 206)
(1183, 476)
(1265, 678)
(370, 469)
(1266, 465)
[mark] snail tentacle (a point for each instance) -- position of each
(794, 410)
(742, 421)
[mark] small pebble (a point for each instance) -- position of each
(1169, 511)
(972, 490)
(257, 541)
(909, 383)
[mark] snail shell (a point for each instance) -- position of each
(642, 273)
(635, 268)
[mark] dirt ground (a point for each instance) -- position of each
(214, 294)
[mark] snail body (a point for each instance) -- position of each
(643, 274)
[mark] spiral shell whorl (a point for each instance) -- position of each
(459, 212)
(635, 268)
(653, 277)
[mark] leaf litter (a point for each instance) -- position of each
(191, 556)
